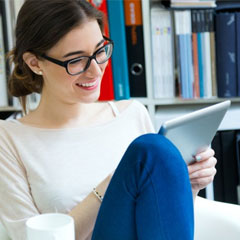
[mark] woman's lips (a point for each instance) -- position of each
(91, 85)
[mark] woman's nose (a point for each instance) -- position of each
(94, 68)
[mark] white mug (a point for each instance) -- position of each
(50, 226)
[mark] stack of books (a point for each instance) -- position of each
(193, 3)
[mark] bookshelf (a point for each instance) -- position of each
(159, 109)
(163, 109)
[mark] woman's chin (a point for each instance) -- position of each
(91, 98)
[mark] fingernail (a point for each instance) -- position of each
(198, 158)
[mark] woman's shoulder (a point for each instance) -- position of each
(123, 105)
(5, 123)
(138, 111)
(7, 127)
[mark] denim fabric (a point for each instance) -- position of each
(149, 196)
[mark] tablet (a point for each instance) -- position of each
(193, 133)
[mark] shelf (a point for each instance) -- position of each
(8, 109)
(180, 101)
(166, 112)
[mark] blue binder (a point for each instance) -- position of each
(238, 51)
(119, 57)
(199, 29)
(226, 54)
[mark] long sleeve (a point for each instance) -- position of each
(16, 202)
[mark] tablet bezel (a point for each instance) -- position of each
(172, 128)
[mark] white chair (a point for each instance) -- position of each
(216, 220)
(213, 221)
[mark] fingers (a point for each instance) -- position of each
(204, 164)
(202, 178)
(201, 183)
(205, 155)
(204, 173)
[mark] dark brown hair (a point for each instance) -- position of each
(40, 25)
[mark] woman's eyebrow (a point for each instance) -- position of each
(80, 52)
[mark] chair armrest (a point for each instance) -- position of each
(216, 220)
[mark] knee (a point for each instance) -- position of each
(155, 143)
(158, 148)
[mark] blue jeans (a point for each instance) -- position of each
(149, 196)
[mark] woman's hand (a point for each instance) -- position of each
(202, 172)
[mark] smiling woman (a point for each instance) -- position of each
(72, 83)
(99, 162)
(56, 18)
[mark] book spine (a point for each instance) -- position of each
(213, 52)
(226, 54)
(188, 34)
(135, 51)
(182, 52)
(200, 54)
(238, 51)
(230, 173)
(238, 163)
(119, 57)
(3, 77)
(218, 179)
(207, 59)
(162, 52)
(196, 92)
(107, 90)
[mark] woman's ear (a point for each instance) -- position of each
(33, 62)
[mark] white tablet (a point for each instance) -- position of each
(193, 133)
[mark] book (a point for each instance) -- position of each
(119, 58)
(107, 90)
(230, 172)
(211, 23)
(135, 51)
(206, 56)
(188, 39)
(184, 51)
(7, 19)
(180, 54)
(193, 3)
(226, 54)
(162, 52)
(238, 163)
(196, 93)
(238, 51)
(218, 179)
(199, 29)
(3, 76)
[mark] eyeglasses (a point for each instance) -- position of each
(81, 64)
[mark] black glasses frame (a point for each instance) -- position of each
(90, 58)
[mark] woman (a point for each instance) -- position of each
(62, 156)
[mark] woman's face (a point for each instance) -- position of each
(83, 40)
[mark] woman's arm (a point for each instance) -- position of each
(85, 213)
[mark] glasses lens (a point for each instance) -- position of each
(77, 65)
(104, 53)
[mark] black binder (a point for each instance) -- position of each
(230, 171)
(135, 48)
(218, 179)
